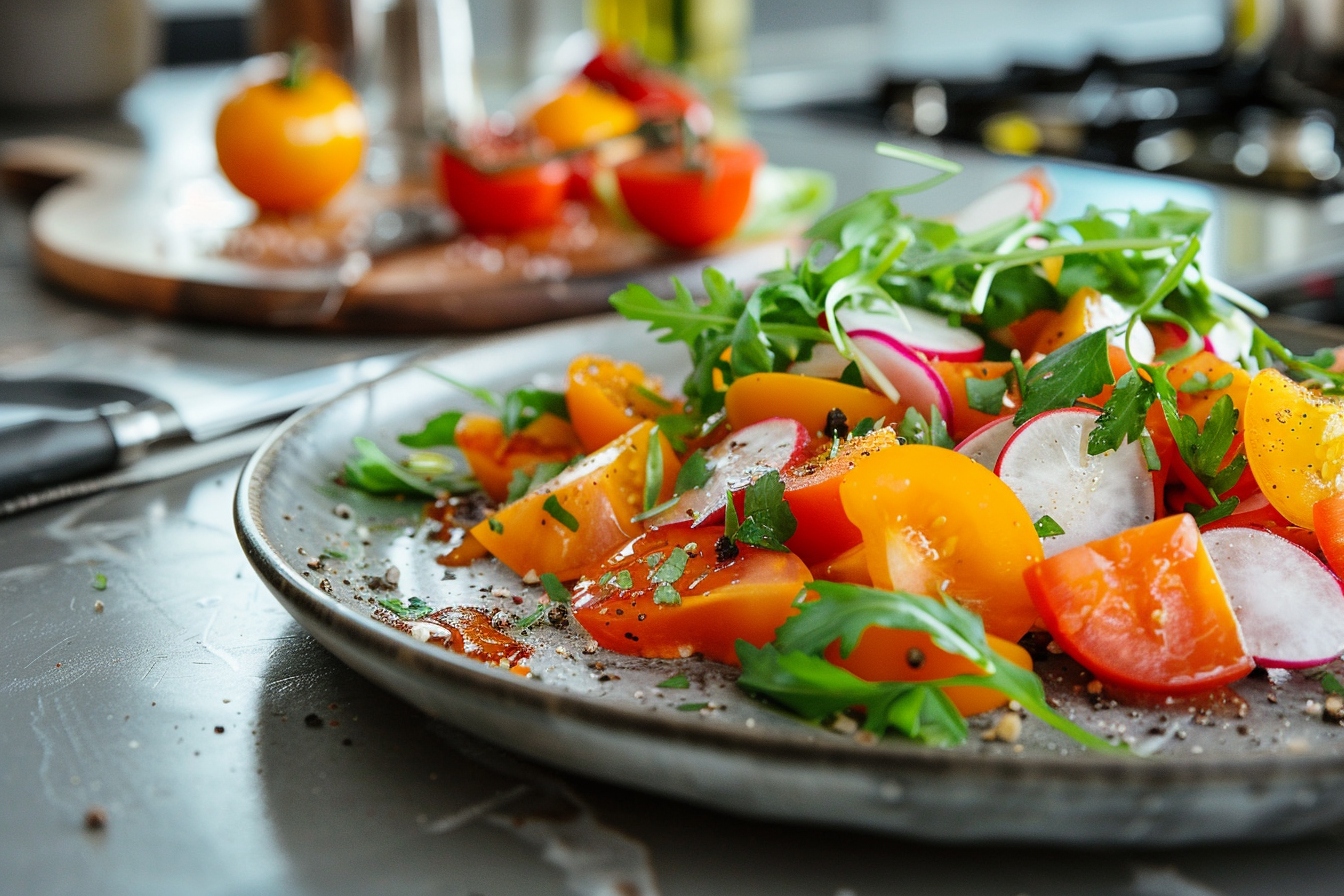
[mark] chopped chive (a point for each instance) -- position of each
(562, 516)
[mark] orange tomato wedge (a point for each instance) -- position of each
(1328, 515)
(807, 399)
(936, 521)
(605, 398)
(812, 491)
(884, 654)
(582, 515)
(1295, 444)
(494, 459)
(705, 609)
(1143, 609)
(965, 419)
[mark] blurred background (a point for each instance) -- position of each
(1246, 94)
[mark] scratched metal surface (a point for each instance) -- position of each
(271, 805)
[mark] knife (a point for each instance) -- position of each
(66, 429)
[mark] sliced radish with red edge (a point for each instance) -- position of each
(1046, 464)
(927, 333)
(986, 444)
(1290, 606)
(736, 462)
(919, 384)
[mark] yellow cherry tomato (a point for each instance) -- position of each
(582, 115)
(936, 521)
(1295, 444)
(291, 144)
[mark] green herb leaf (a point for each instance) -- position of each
(372, 471)
(767, 522)
(666, 595)
(99, 582)
(1123, 415)
(1330, 684)
(863, 428)
(1204, 516)
(562, 516)
(442, 430)
(653, 469)
(624, 581)
(692, 707)
(413, 609)
(676, 682)
(1046, 527)
(694, 473)
(1199, 382)
(672, 568)
(496, 526)
(1078, 368)
(523, 482)
(523, 406)
(555, 589)
(851, 375)
(986, 396)
(917, 431)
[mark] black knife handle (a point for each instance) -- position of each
(46, 452)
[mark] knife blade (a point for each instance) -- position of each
(62, 443)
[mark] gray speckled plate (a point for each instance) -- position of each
(1253, 766)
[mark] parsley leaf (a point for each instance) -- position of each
(496, 526)
(413, 609)
(562, 516)
(1199, 382)
(986, 396)
(917, 431)
(694, 472)
(1122, 417)
(672, 568)
(1078, 368)
(442, 430)
(624, 580)
(767, 522)
(99, 582)
(666, 595)
(1046, 527)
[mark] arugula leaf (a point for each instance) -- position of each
(851, 375)
(1046, 527)
(523, 406)
(371, 470)
(986, 396)
(1122, 417)
(555, 589)
(1078, 368)
(792, 670)
(439, 431)
(413, 609)
(562, 516)
(917, 431)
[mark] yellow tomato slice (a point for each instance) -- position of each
(1295, 444)
(807, 399)
(581, 115)
(933, 520)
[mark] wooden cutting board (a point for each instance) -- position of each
(192, 248)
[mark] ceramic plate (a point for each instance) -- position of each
(1253, 764)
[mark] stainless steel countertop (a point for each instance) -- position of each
(233, 755)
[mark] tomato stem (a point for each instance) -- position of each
(300, 58)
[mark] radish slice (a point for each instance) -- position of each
(919, 384)
(1030, 194)
(925, 332)
(825, 362)
(736, 462)
(1046, 464)
(986, 444)
(1290, 606)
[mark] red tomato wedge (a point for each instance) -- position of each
(504, 201)
(1328, 514)
(686, 203)
(705, 608)
(1143, 609)
(934, 520)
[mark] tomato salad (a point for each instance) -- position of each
(913, 449)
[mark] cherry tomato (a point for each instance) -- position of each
(715, 603)
(936, 521)
(1143, 609)
(494, 459)
(812, 491)
(583, 514)
(583, 114)
(1328, 515)
(966, 419)
(291, 144)
(503, 199)
(1295, 444)
(884, 654)
(689, 203)
(606, 398)
(657, 95)
(807, 399)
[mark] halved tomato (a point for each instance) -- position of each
(689, 201)
(606, 397)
